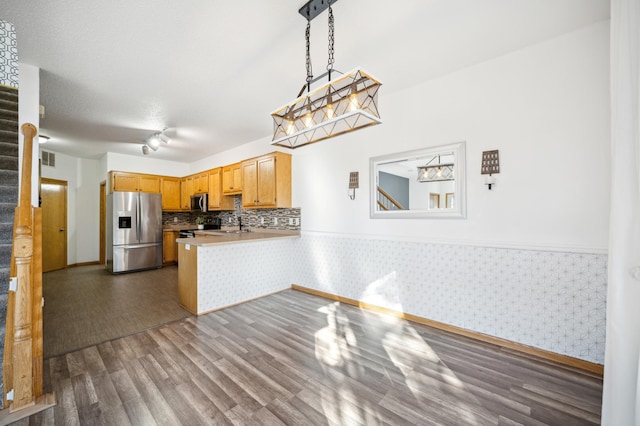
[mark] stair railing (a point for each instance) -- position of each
(387, 202)
(23, 339)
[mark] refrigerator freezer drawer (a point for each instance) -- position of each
(135, 257)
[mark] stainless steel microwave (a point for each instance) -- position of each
(199, 202)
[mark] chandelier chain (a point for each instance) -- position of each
(309, 70)
(331, 59)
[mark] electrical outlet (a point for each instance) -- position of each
(296, 221)
(175, 220)
(229, 220)
(290, 221)
(261, 220)
(275, 220)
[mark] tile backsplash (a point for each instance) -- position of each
(284, 219)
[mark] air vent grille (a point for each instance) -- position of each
(48, 159)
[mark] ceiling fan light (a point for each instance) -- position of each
(43, 139)
(145, 149)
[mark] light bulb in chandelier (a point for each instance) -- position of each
(353, 99)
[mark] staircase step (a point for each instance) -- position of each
(6, 233)
(8, 162)
(6, 212)
(9, 93)
(10, 125)
(9, 148)
(9, 177)
(7, 114)
(9, 136)
(8, 104)
(4, 280)
(5, 255)
(9, 194)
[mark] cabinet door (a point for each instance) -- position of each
(250, 180)
(232, 179)
(215, 190)
(266, 186)
(170, 193)
(127, 182)
(169, 254)
(186, 191)
(149, 184)
(201, 183)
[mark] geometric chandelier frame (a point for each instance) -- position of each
(347, 103)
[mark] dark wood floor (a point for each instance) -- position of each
(296, 359)
(87, 305)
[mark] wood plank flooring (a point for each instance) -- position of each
(87, 305)
(298, 359)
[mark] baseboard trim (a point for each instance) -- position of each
(543, 354)
(41, 403)
(75, 265)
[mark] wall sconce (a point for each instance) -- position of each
(490, 165)
(353, 184)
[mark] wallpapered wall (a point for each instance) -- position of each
(8, 55)
(546, 299)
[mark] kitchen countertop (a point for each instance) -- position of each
(213, 237)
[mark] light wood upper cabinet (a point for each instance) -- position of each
(267, 181)
(232, 179)
(134, 182)
(218, 201)
(186, 191)
(170, 187)
(201, 183)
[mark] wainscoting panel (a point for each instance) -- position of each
(551, 300)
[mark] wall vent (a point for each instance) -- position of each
(48, 159)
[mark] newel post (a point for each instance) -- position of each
(23, 250)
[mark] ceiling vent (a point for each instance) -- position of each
(48, 159)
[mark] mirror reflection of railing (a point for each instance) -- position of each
(387, 202)
(439, 192)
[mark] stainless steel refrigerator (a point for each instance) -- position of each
(134, 231)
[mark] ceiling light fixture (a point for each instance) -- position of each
(153, 142)
(340, 106)
(435, 172)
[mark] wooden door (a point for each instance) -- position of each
(54, 224)
(267, 181)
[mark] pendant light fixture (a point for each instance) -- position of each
(347, 103)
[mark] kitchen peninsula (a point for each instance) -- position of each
(217, 269)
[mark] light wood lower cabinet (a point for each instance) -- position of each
(188, 277)
(169, 247)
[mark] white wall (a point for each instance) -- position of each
(546, 108)
(83, 204)
(28, 112)
(140, 164)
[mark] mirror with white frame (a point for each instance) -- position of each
(423, 183)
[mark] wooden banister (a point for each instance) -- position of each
(23, 395)
(23, 362)
(390, 199)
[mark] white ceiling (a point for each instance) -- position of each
(113, 72)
